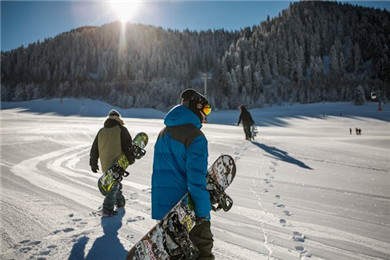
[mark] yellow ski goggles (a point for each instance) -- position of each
(206, 109)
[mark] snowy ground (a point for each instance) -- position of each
(305, 189)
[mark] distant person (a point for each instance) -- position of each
(247, 121)
(360, 131)
(111, 141)
(350, 131)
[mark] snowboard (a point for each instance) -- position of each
(169, 238)
(117, 170)
(253, 132)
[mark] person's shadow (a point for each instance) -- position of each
(281, 155)
(107, 246)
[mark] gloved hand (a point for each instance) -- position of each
(95, 168)
(200, 220)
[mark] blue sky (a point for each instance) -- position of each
(25, 22)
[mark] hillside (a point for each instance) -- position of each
(313, 51)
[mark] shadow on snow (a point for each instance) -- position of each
(107, 246)
(281, 155)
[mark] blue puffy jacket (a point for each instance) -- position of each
(180, 164)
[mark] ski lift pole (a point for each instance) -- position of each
(205, 77)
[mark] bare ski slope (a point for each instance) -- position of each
(305, 189)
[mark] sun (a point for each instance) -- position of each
(125, 10)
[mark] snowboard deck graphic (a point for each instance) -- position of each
(118, 170)
(169, 239)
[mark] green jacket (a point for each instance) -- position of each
(111, 141)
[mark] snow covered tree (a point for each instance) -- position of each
(359, 96)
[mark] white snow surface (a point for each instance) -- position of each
(305, 188)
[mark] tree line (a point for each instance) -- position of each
(311, 52)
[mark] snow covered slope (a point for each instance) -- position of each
(305, 188)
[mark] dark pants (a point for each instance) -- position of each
(203, 239)
(114, 197)
(247, 131)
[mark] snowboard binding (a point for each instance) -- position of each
(138, 152)
(118, 173)
(218, 197)
(178, 243)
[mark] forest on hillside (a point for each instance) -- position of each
(311, 52)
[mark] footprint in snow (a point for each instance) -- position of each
(33, 243)
(283, 222)
(66, 230)
(133, 196)
(25, 249)
(298, 237)
(277, 196)
(137, 218)
(303, 251)
(47, 252)
(287, 213)
(278, 205)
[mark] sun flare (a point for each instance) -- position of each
(125, 10)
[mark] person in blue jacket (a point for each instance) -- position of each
(180, 166)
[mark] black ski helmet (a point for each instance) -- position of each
(194, 101)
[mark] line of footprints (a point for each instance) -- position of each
(296, 236)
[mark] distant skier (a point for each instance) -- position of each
(111, 141)
(180, 166)
(247, 121)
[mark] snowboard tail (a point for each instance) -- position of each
(118, 170)
(253, 132)
(169, 239)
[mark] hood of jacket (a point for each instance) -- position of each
(111, 123)
(181, 115)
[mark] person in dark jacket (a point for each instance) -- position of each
(111, 141)
(247, 121)
(180, 166)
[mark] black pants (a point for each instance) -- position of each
(203, 239)
(247, 131)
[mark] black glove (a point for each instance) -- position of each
(94, 168)
(200, 220)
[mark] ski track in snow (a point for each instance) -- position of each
(51, 208)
